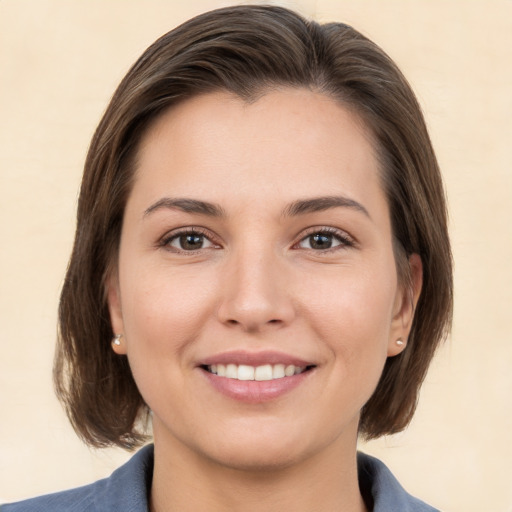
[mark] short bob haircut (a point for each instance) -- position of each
(248, 51)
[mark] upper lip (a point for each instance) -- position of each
(254, 358)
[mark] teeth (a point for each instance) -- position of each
(263, 372)
(232, 371)
(289, 370)
(278, 371)
(245, 372)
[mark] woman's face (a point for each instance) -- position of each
(256, 286)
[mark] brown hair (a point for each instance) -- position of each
(247, 50)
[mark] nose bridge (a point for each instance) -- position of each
(255, 296)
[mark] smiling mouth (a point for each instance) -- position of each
(259, 373)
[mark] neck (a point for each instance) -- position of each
(184, 481)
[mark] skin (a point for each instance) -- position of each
(254, 282)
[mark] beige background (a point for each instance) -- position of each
(60, 60)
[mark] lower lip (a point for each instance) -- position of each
(254, 391)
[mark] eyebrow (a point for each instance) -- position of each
(188, 206)
(299, 207)
(319, 204)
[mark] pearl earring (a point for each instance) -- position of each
(399, 342)
(117, 340)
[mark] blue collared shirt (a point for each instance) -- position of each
(127, 490)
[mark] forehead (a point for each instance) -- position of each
(287, 143)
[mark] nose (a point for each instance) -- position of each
(256, 293)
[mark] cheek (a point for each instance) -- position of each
(163, 312)
(353, 303)
(348, 313)
(158, 304)
(351, 316)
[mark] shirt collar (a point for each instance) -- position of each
(382, 491)
(129, 486)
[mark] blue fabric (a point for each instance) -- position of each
(126, 490)
(378, 483)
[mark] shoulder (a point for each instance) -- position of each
(378, 484)
(75, 500)
(126, 489)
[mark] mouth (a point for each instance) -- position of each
(264, 372)
(256, 377)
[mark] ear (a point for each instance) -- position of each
(115, 310)
(405, 306)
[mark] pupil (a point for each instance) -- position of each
(319, 241)
(191, 241)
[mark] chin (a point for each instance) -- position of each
(265, 446)
(256, 458)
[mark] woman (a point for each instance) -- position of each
(261, 266)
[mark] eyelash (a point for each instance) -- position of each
(345, 240)
(166, 240)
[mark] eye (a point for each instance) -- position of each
(322, 240)
(187, 241)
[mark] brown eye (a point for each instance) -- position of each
(189, 241)
(320, 241)
(324, 240)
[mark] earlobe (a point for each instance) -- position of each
(405, 307)
(118, 345)
(396, 347)
(116, 315)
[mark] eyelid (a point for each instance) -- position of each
(164, 241)
(346, 239)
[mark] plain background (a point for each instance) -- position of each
(60, 61)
